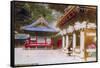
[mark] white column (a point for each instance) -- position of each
(67, 41)
(74, 42)
(82, 44)
(63, 41)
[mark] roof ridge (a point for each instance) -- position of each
(40, 20)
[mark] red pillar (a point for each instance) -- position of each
(36, 38)
(45, 40)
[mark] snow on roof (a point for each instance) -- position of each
(35, 26)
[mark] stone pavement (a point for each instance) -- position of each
(37, 56)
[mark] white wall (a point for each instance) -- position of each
(5, 34)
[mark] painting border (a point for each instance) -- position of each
(12, 64)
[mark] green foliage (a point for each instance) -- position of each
(25, 13)
(58, 7)
(37, 10)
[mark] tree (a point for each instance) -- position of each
(58, 7)
(25, 13)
